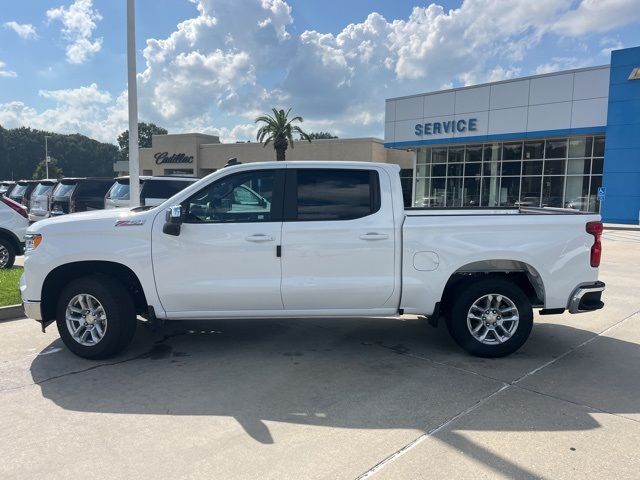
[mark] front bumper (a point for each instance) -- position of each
(587, 298)
(32, 310)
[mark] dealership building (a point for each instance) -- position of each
(565, 139)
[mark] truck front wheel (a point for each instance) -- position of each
(490, 317)
(96, 317)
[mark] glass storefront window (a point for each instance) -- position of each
(512, 151)
(554, 167)
(424, 156)
(532, 168)
(598, 147)
(539, 172)
(472, 170)
(492, 152)
(473, 153)
(511, 168)
(530, 192)
(556, 148)
(439, 155)
(437, 192)
(509, 191)
(454, 192)
(455, 169)
(552, 191)
(578, 166)
(534, 150)
(580, 147)
(456, 155)
(471, 194)
(598, 164)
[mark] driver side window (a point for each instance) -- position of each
(243, 197)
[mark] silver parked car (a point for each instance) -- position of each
(153, 190)
(41, 200)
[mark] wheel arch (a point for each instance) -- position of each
(521, 273)
(59, 277)
(13, 239)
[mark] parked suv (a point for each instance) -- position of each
(13, 226)
(79, 195)
(6, 187)
(41, 199)
(21, 193)
(153, 190)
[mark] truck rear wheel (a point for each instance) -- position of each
(490, 317)
(96, 317)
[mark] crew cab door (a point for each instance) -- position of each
(338, 243)
(225, 257)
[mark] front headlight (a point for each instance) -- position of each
(31, 241)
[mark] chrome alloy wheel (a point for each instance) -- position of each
(493, 319)
(86, 319)
(4, 256)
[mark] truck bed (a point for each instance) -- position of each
(479, 211)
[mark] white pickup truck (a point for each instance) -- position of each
(308, 239)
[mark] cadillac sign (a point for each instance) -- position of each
(163, 157)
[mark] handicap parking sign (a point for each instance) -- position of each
(602, 191)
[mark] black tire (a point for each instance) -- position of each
(462, 302)
(9, 257)
(119, 309)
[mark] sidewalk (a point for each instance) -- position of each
(621, 226)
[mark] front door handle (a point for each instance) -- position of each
(374, 236)
(259, 237)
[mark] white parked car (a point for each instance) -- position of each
(309, 239)
(39, 207)
(13, 226)
(153, 190)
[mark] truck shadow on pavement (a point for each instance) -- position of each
(352, 373)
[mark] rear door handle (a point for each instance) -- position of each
(259, 237)
(374, 236)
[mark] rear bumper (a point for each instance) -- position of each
(587, 298)
(32, 310)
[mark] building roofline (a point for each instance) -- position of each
(319, 140)
(499, 82)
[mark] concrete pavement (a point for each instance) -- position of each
(335, 398)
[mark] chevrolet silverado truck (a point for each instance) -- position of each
(308, 239)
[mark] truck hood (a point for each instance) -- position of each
(93, 220)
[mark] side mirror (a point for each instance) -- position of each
(173, 220)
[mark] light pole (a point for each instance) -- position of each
(134, 166)
(46, 154)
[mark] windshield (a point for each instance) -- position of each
(119, 191)
(42, 189)
(19, 190)
(64, 190)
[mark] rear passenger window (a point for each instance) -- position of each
(337, 194)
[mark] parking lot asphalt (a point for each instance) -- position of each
(333, 398)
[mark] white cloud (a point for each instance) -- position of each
(23, 30)
(79, 21)
(5, 73)
(238, 58)
(87, 110)
(597, 16)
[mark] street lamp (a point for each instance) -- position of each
(46, 154)
(134, 166)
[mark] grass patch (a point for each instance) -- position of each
(9, 286)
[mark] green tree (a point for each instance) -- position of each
(22, 149)
(54, 170)
(321, 135)
(145, 134)
(279, 129)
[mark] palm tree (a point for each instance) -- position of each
(279, 129)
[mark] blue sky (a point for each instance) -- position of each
(213, 65)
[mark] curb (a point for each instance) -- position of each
(12, 312)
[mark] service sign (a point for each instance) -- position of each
(449, 126)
